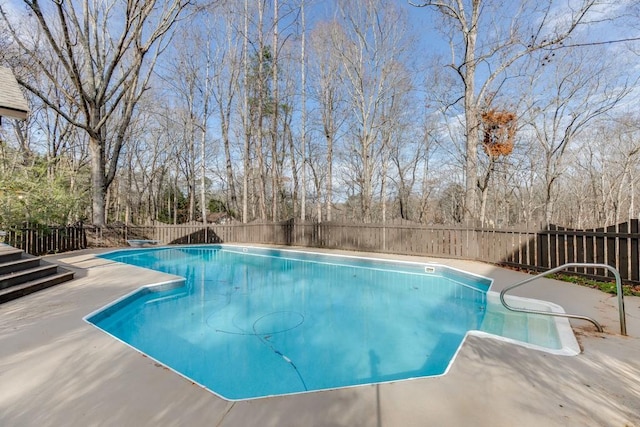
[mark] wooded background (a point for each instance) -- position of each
(342, 110)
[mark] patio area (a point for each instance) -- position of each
(58, 370)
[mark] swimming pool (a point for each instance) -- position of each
(255, 322)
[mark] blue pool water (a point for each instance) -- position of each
(256, 322)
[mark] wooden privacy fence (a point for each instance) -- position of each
(43, 239)
(540, 249)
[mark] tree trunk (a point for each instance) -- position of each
(232, 197)
(98, 187)
(276, 106)
(471, 118)
(203, 169)
(294, 173)
(484, 189)
(329, 189)
(303, 84)
(261, 100)
(245, 108)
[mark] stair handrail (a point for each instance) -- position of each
(623, 323)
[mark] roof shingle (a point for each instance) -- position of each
(12, 102)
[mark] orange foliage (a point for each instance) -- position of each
(499, 132)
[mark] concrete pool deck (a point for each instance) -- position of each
(58, 370)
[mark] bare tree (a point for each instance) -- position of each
(325, 90)
(609, 159)
(486, 39)
(303, 118)
(579, 90)
(106, 67)
(262, 56)
(204, 121)
(246, 152)
(371, 46)
(226, 86)
(275, 110)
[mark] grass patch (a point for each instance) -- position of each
(604, 286)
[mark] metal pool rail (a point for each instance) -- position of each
(623, 323)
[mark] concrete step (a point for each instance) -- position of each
(493, 323)
(543, 332)
(516, 327)
(28, 275)
(18, 265)
(32, 286)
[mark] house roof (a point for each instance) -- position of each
(12, 102)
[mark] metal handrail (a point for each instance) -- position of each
(623, 323)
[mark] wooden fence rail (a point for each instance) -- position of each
(540, 249)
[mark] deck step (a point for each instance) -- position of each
(19, 264)
(23, 276)
(8, 254)
(30, 287)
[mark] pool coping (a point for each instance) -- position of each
(58, 370)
